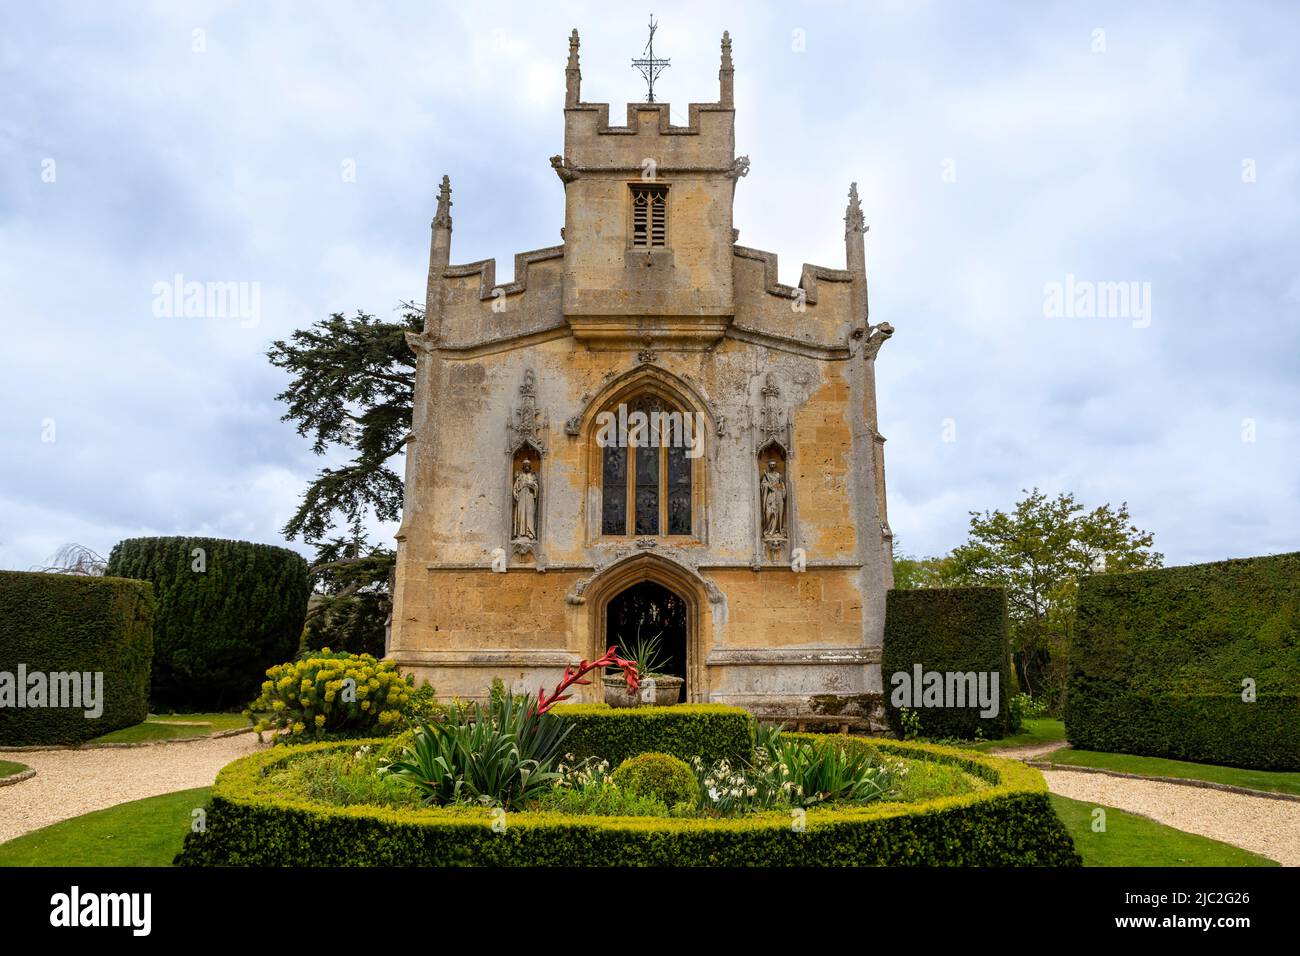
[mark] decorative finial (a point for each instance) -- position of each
(853, 219)
(648, 64)
(443, 216)
(726, 74)
(572, 74)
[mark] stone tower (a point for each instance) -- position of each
(741, 517)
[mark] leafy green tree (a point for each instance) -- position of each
(353, 596)
(1038, 552)
(911, 573)
(352, 391)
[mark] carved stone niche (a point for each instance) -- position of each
(527, 431)
(772, 475)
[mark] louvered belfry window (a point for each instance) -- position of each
(649, 216)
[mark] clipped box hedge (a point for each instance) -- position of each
(710, 731)
(62, 624)
(218, 628)
(1157, 661)
(948, 630)
(1009, 823)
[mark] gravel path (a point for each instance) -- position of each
(69, 783)
(1270, 828)
(1029, 752)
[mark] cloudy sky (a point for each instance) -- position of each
(999, 148)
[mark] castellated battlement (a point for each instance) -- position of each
(650, 255)
(705, 145)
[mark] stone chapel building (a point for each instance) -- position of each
(541, 525)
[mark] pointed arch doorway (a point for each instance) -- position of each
(649, 612)
(675, 605)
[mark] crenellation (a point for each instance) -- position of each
(486, 269)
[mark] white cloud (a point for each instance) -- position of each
(226, 165)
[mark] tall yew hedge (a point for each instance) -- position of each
(70, 624)
(1158, 662)
(948, 630)
(227, 610)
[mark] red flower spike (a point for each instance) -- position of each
(575, 676)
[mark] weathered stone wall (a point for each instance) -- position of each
(704, 323)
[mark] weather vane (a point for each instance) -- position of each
(649, 66)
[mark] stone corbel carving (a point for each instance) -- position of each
(421, 342)
(876, 337)
(739, 168)
(566, 172)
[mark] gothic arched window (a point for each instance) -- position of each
(646, 468)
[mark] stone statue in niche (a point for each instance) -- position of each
(524, 526)
(772, 487)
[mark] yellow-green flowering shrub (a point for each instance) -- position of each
(329, 693)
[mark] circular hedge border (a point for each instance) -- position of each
(1009, 823)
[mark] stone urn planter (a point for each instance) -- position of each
(668, 690)
(654, 691)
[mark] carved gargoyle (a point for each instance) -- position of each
(562, 169)
(876, 338)
(739, 168)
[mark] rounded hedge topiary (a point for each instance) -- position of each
(227, 610)
(658, 775)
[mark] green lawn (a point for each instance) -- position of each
(1131, 840)
(174, 727)
(8, 768)
(1040, 730)
(1276, 781)
(145, 832)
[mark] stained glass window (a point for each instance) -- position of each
(679, 491)
(613, 491)
(647, 490)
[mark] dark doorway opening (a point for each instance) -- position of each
(650, 610)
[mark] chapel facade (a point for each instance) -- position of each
(645, 433)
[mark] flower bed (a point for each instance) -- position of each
(1008, 821)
